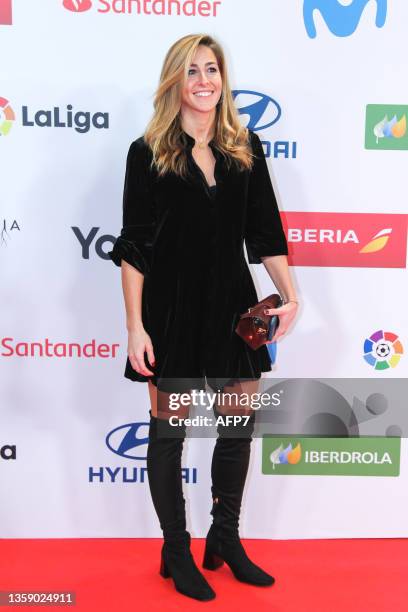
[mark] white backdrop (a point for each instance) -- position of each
(59, 410)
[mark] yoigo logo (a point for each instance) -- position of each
(86, 241)
(130, 442)
(7, 117)
(77, 6)
(8, 451)
(338, 456)
(342, 20)
(383, 350)
(6, 12)
(261, 112)
(386, 127)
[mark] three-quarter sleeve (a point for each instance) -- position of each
(264, 234)
(134, 244)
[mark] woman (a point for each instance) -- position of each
(196, 186)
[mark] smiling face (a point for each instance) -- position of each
(203, 87)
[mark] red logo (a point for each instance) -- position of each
(77, 6)
(360, 240)
(5, 12)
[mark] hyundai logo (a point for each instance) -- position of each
(262, 110)
(126, 440)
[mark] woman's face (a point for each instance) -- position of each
(203, 78)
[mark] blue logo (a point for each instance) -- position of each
(124, 440)
(262, 110)
(341, 20)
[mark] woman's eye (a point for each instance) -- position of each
(211, 69)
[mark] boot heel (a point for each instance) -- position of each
(211, 561)
(163, 569)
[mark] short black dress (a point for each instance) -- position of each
(187, 238)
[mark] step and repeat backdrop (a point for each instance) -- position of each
(323, 83)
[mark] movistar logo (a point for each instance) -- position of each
(340, 19)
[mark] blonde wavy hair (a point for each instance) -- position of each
(163, 133)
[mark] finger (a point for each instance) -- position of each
(133, 362)
(273, 311)
(141, 367)
(278, 335)
(150, 355)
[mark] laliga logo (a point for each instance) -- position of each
(383, 350)
(7, 116)
(340, 19)
(286, 455)
(77, 6)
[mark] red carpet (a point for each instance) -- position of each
(122, 574)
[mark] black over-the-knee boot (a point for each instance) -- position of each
(229, 470)
(165, 482)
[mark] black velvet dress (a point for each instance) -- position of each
(187, 239)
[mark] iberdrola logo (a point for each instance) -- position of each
(386, 127)
(281, 455)
(391, 128)
(7, 117)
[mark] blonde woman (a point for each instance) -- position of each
(196, 187)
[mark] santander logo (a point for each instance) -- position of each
(6, 12)
(366, 240)
(77, 6)
(176, 8)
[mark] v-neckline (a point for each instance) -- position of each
(211, 192)
(202, 173)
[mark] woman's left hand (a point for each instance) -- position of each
(286, 314)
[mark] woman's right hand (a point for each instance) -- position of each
(140, 342)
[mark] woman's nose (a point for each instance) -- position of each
(202, 78)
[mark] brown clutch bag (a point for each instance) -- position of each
(254, 326)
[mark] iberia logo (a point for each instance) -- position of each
(5, 12)
(361, 240)
(281, 455)
(377, 242)
(7, 116)
(77, 6)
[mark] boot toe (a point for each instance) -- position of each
(252, 575)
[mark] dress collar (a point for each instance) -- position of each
(191, 141)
